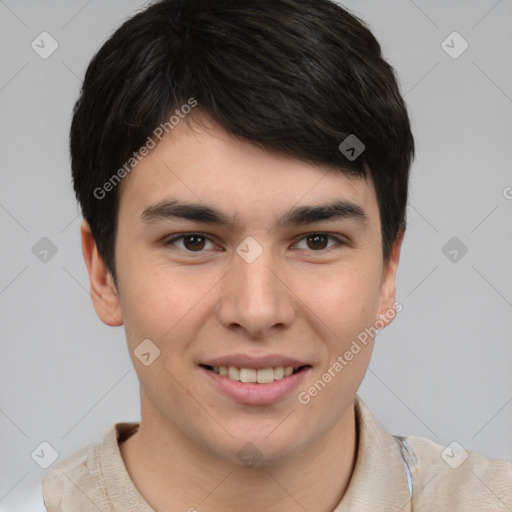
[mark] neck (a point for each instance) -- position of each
(173, 475)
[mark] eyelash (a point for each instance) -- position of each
(182, 236)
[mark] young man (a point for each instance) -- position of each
(242, 168)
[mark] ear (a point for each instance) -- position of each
(387, 297)
(104, 294)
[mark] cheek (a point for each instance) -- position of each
(149, 293)
(161, 309)
(347, 300)
(351, 305)
(164, 305)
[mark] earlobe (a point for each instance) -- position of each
(387, 298)
(104, 294)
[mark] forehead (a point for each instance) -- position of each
(205, 164)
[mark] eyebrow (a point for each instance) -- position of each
(300, 215)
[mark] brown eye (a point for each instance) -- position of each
(194, 242)
(317, 241)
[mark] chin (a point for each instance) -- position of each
(264, 450)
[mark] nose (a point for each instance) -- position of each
(255, 297)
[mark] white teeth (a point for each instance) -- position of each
(250, 375)
(278, 373)
(265, 376)
(233, 373)
(247, 375)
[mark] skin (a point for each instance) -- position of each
(296, 299)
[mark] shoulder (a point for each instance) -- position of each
(92, 475)
(69, 474)
(75, 465)
(452, 474)
(31, 501)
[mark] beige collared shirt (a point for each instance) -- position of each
(388, 472)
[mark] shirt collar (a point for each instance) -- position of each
(118, 485)
(378, 482)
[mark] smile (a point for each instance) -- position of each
(252, 375)
(263, 385)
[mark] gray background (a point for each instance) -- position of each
(441, 370)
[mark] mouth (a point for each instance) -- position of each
(254, 375)
(260, 386)
(255, 380)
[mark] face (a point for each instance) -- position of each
(254, 282)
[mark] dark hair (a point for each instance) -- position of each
(291, 76)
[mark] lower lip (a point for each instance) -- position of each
(254, 393)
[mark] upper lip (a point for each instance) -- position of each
(256, 363)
